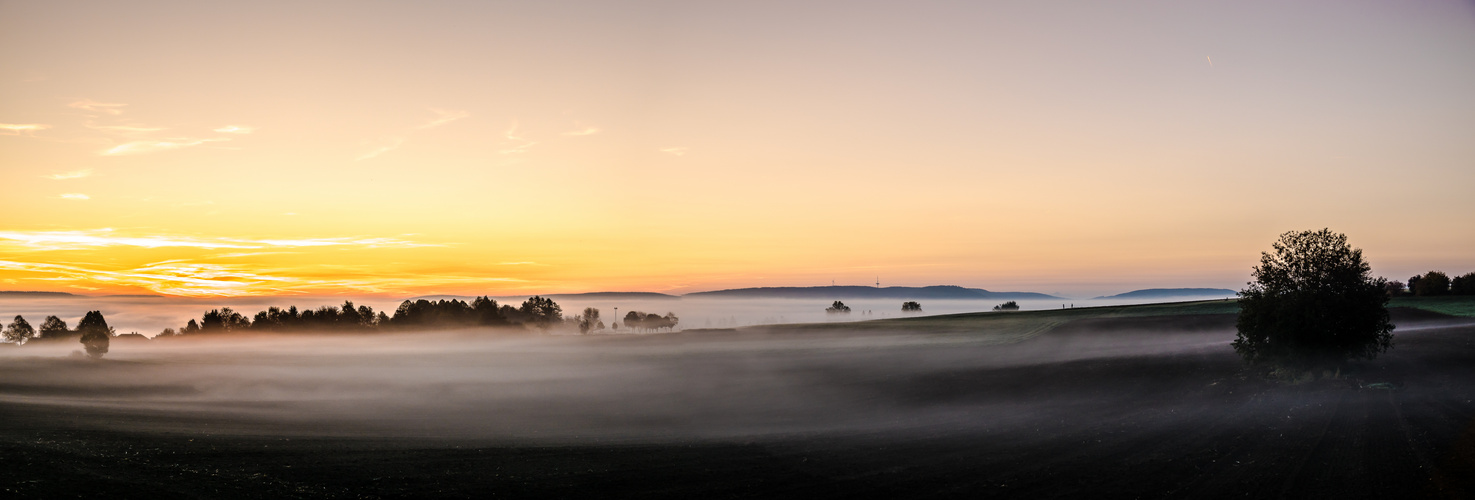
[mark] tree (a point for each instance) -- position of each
(910, 306)
(1432, 283)
(1395, 288)
(541, 312)
(96, 334)
(1463, 285)
(638, 320)
(487, 312)
(53, 328)
(1007, 306)
(19, 331)
(589, 321)
(1314, 303)
(838, 308)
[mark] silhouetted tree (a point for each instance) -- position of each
(1007, 306)
(19, 331)
(168, 332)
(540, 312)
(53, 328)
(838, 308)
(190, 328)
(1313, 302)
(487, 312)
(1396, 288)
(589, 321)
(1463, 285)
(223, 320)
(96, 334)
(641, 321)
(910, 306)
(1432, 283)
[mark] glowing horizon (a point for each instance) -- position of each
(469, 149)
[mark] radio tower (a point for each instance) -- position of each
(878, 282)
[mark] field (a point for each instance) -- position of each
(1131, 401)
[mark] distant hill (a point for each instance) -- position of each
(613, 295)
(1158, 293)
(868, 292)
(36, 294)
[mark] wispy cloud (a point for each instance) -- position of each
(122, 129)
(100, 238)
(518, 149)
(585, 131)
(21, 128)
(674, 151)
(69, 175)
(179, 277)
(521, 263)
(98, 107)
(390, 145)
(75, 196)
(235, 129)
(444, 116)
(140, 147)
(512, 133)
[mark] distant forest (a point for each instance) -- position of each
(538, 312)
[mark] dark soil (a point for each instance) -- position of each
(1102, 414)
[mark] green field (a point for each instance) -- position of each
(1014, 326)
(1455, 305)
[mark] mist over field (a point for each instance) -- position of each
(148, 315)
(480, 384)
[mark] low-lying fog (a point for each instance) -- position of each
(515, 386)
(148, 315)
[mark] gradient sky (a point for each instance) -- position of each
(257, 148)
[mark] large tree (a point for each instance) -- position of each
(53, 328)
(19, 331)
(1313, 303)
(96, 334)
(1432, 283)
(541, 312)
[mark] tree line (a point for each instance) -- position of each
(1433, 284)
(92, 331)
(536, 312)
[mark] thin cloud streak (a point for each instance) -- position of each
(235, 129)
(674, 151)
(98, 107)
(446, 116)
(122, 129)
(578, 133)
(394, 143)
(180, 277)
(69, 175)
(141, 147)
(74, 240)
(75, 196)
(21, 128)
(518, 149)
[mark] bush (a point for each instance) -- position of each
(1007, 306)
(911, 307)
(838, 308)
(1313, 303)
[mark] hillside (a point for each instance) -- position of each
(1158, 293)
(869, 292)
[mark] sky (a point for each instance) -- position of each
(410, 148)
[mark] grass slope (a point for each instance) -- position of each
(1015, 326)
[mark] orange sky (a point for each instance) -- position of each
(403, 148)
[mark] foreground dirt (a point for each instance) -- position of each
(1097, 412)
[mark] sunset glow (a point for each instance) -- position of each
(475, 148)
